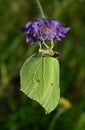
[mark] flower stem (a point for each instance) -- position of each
(40, 8)
(40, 45)
(46, 45)
(55, 117)
(52, 44)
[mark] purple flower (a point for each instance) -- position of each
(44, 30)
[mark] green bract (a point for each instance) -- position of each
(40, 80)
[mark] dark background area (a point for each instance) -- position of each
(17, 111)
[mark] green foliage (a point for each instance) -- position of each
(80, 125)
(17, 112)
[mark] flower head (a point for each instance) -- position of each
(44, 30)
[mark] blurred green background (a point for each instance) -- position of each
(17, 111)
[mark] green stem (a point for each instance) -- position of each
(40, 45)
(40, 8)
(46, 45)
(52, 44)
(55, 117)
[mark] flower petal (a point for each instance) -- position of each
(55, 23)
(44, 30)
(23, 29)
(28, 39)
(46, 22)
(61, 35)
(28, 24)
(65, 30)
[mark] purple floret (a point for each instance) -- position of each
(44, 30)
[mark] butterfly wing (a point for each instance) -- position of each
(40, 81)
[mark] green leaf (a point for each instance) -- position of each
(40, 80)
